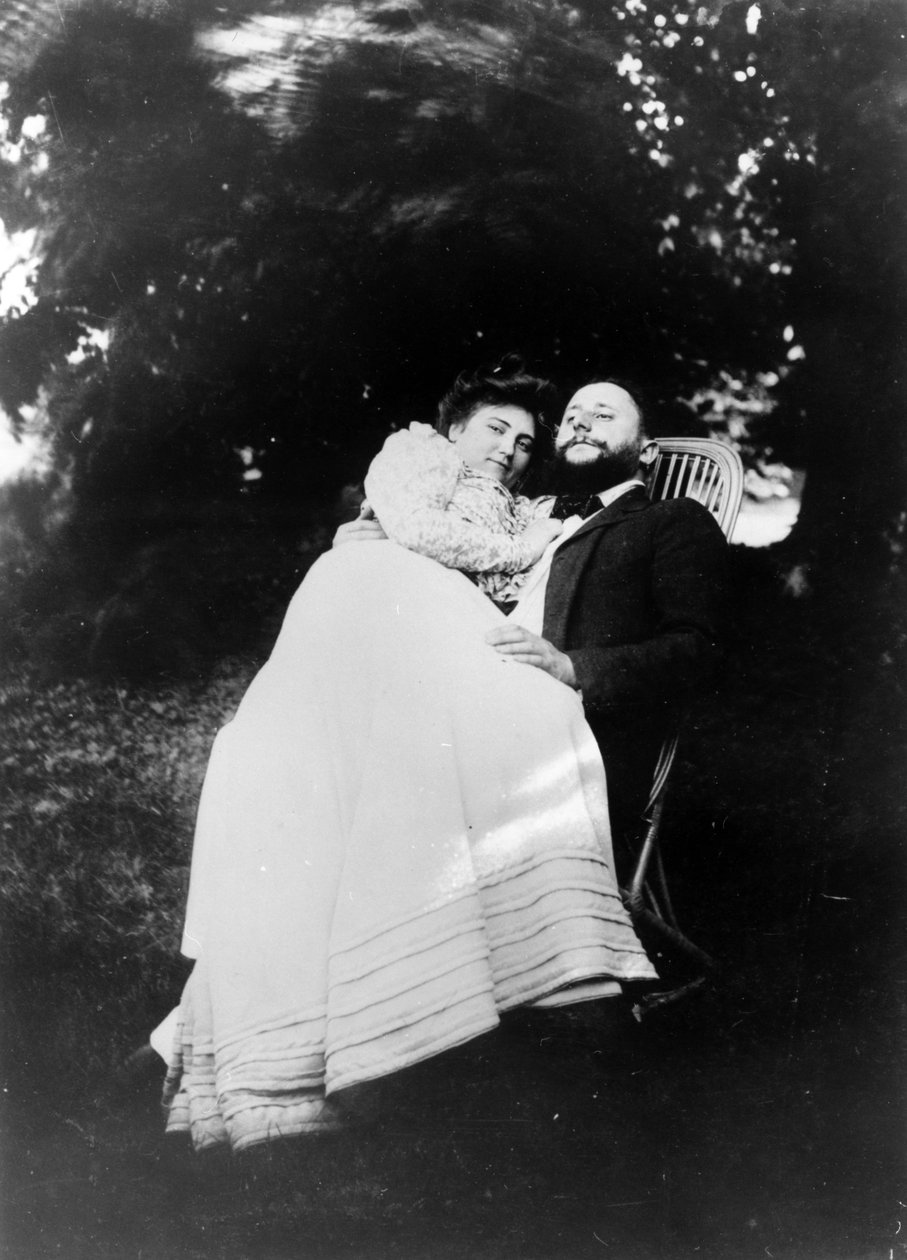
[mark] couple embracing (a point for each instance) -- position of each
(406, 828)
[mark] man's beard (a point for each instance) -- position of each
(592, 476)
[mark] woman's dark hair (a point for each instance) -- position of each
(507, 383)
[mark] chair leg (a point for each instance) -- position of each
(674, 937)
(657, 1001)
(664, 891)
(658, 916)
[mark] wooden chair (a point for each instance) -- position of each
(712, 473)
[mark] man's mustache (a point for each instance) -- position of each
(577, 441)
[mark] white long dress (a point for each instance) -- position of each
(401, 835)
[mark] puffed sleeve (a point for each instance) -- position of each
(409, 486)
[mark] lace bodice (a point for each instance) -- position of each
(429, 501)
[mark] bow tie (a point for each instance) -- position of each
(575, 505)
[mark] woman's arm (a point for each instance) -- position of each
(409, 486)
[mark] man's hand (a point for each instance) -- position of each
(531, 649)
(365, 528)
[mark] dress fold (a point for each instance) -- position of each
(401, 835)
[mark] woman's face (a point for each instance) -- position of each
(496, 440)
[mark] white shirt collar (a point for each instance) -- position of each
(608, 497)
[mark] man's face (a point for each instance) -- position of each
(598, 442)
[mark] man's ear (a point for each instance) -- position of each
(648, 454)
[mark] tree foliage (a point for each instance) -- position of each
(269, 231)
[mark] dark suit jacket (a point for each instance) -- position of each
(635, 599)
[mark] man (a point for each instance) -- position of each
(633, 600)
(633, 603)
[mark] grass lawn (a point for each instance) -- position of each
(761, 1118)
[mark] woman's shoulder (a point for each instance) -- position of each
(416, 432)
(415, 465)
(417, 435)
(420, 444)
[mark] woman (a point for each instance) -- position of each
(401, 833)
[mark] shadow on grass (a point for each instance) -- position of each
(763, 1117)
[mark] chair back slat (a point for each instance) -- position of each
(712, 496)
(683, 475)
(687, 474)
(702, 469)
(669, 472)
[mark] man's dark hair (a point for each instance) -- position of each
(638, 393)
(506, 383)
